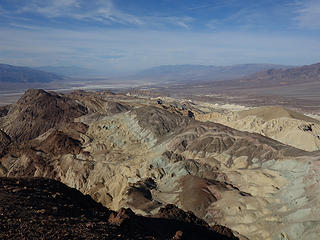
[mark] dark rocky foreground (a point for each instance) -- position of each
(38, 208)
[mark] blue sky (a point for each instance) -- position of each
(129, 35)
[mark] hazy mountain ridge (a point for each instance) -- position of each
(278, 77)
(297, 75)
(70, 71)
(15, 74)
(189, 73)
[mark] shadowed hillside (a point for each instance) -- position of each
(14, 74)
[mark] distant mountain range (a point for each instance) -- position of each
(304, 74)
(190, 73)
(71, 71)
(14, 74)
(242, 75)
(278, 77)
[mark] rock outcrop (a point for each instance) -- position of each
(5, 140)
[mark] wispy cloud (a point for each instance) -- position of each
(213, 24)
(183, 22)
(308, 14)
(103, 11)
(106, 12)
(24, 26)
(199, 7)
(217, 4)
(244, 18)
(50, 8)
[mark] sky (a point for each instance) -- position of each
(131, 35)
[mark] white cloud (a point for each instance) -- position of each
(308, 12)
(183, 22)
(213, 24)
(103, 11)
(50, 8)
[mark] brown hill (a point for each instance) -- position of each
(36, 112)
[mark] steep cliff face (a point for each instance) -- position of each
(149, 155)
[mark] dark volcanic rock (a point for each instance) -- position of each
(59, 143)
(174, 213)
(40, 208)
(121, 217)
(4, 142)
(170, 211)
(4, 111)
